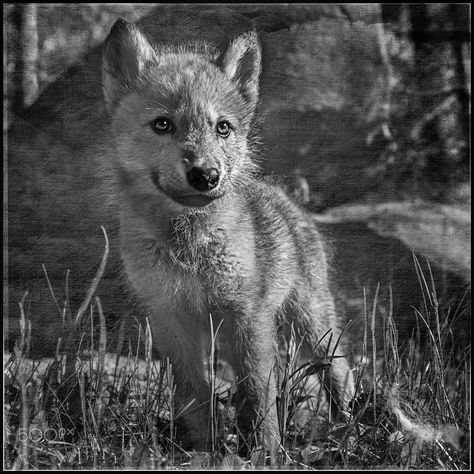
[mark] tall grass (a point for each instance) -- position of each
(414, 409)
(96, 405)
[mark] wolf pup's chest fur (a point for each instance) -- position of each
(219, 256)
(206, 261)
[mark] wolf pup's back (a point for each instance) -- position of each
(201, 235)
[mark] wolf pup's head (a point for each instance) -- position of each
(181, 115)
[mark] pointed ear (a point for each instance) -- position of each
(241, 61)
(126, 50)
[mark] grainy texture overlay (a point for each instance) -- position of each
(331, 194)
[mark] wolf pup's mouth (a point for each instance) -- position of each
(193, 200)
(189, 200)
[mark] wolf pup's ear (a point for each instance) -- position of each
(126, 50)
(241, 61)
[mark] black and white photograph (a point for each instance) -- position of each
(237, 236)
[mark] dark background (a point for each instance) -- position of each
(370, 104)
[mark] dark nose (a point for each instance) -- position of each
(203, 179)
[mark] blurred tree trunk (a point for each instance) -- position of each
(27, 64)
(428, 81)
(432, 98)
(15, 85)
(460, 16)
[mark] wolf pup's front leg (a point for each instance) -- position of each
(178, 325)
(255, 357)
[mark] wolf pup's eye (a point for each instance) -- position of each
(162, 125)
(223, 129)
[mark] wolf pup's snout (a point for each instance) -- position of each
(203, 179)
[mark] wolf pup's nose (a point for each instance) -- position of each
(203, 179)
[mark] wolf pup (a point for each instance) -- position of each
(201, 235)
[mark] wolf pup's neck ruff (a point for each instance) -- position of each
(202, 237)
